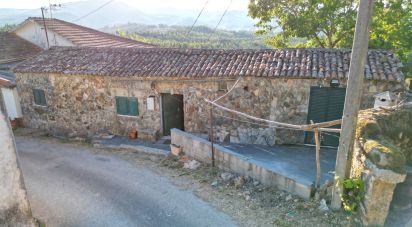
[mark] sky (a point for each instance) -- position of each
(179, 4)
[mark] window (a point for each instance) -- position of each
(127, 106)
(39, 97)
(222, 86)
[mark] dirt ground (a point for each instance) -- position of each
(246, 200)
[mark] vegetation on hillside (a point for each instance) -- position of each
(7, 27)
(179, 36)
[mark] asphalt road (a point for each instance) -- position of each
(71, 185)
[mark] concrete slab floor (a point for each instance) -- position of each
(296, 162)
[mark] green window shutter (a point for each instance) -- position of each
(133, 106)
(42, 98)
(127, 106)
(36, 96)
(39, 97)
(122, 105)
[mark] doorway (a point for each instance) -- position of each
(172, 113)
(325, 104)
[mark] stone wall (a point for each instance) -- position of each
(382, 151)
(80, 105)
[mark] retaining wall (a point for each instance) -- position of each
(200, 149)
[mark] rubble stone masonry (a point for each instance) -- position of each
(80, 105)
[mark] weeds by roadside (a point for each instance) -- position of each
(253, 204)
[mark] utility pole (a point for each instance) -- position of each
(352, 100)
(44, 24)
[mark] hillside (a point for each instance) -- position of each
(118, 12)
(179, 36)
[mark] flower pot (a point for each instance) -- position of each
(133, 134)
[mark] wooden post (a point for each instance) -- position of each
(352, 99)
(212, 136)
(318, 170)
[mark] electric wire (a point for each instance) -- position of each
(230, 90)
(221, 18)
(93, 11)
(197, 18)
(250, 122)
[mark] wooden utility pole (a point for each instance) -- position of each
(352, 99)
(45, 28)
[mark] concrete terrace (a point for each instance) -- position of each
(290, 168)
(293, 161)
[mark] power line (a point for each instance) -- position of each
(221, 18)
(200, 13)
(97, 9)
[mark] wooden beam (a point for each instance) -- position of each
(324, 124)
(352, 99)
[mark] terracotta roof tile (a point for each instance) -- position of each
(14, 48)
(200, 63)
(87, 37)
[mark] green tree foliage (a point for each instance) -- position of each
(179, 36)
(323, 23)
(392, 29)
(331, 23)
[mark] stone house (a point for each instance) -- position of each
(63, 33)
(79, 91)
(13, 50)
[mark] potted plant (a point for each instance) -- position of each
(133, 134)
(13, 123)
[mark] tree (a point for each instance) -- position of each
(322, 23)
(331, 23)
(7, 27)
(392, 29)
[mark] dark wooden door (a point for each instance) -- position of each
(172, 112)
(325, 104)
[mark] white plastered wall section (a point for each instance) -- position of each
(34, 33)
(12, 102)
(14, 205)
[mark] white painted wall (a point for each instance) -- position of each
(14, 204)
(34, 33)
(12, 102)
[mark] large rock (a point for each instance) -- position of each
(382, 148)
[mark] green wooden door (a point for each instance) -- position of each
(172, 112)
(325, 104)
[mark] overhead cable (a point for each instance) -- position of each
(197, 18)
(221, 18)
(91, 12)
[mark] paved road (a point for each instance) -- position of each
(70, 185)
